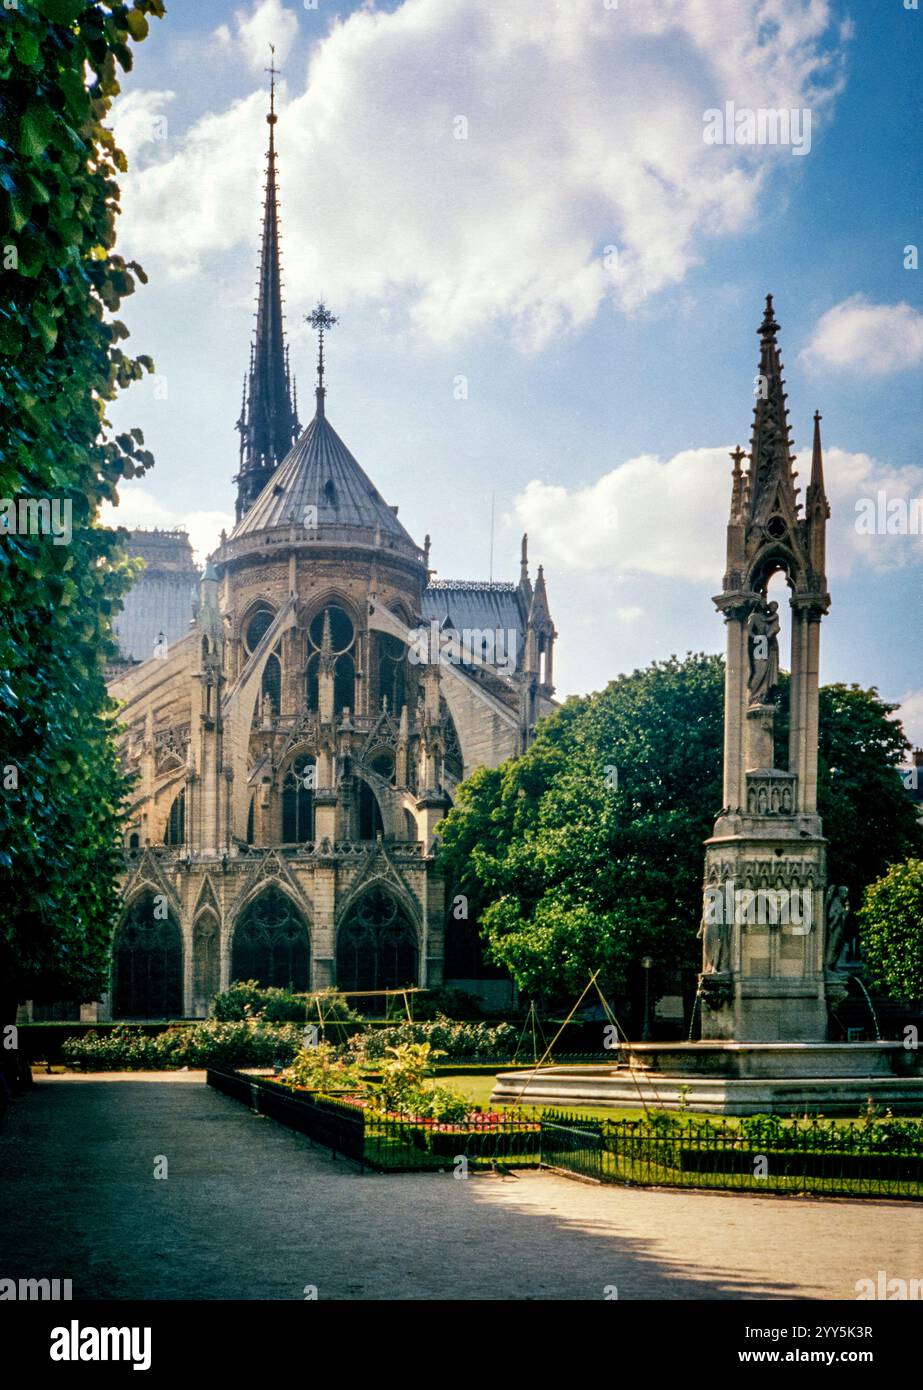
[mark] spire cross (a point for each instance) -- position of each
(321, 319)
(737, 455)
(273, 74)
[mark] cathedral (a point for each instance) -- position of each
(296, 744)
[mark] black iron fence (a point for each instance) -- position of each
(854, 1159)
(575, 1147)
(405, 1142)
(337, 1126)
(390, 1143)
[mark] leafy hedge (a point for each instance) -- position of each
(872, 1135)
(241, 1043)
(445, 1035)
(248, 999)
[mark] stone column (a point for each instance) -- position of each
(811, 684)
(734, 708)
(432, 965)
(760, 742)
(323, 942)
(797, 740)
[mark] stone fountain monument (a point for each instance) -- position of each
(771, 930)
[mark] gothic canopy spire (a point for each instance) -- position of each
(268, 424)
(771, 527)
(772, 476)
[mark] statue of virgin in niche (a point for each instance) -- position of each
(763, 650)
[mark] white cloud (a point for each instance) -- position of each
(138, 508)
(862, 337)
(584, 131)
(269, 22)
(660, 517)
(142, 121)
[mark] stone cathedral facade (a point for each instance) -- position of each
(296, 749)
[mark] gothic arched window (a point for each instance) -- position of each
(376, 945)
(344, 684)
(371, 824)
(392, 672)
(147, 962)
(298, 801)
(257, 627)
(454, 764)
(271, 683)
(175, 832)
(342, 637)
(271, 943)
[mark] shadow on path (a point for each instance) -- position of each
(250, 1210)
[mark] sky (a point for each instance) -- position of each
(547, 237)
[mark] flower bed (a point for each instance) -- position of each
(391, 1140)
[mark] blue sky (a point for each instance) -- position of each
(602, 387)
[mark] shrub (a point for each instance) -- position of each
(249, 999)
(445, 1035)
(438, 1103)
(236, 1042)
(322, 1068)
(404, 1072)
(889, 923)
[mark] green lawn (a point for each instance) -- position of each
(476, 1086)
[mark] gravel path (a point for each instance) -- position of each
(250, 1210)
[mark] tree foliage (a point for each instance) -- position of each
(60, 363)
(891, 926)
(587, 853)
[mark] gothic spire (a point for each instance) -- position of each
(817, 510)
(817, 491)
(268, 424)
(771, 475)
(739, 486)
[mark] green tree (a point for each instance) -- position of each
(587, 852)
(868, 819)
(61, 787)
(891, 928)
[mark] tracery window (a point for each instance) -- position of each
(257, 627)
(392, 672)
(271, 943)
(343, 657)
(376, 945)
(298, 801)
(147, 963)
(175, 831)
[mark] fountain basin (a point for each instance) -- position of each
(733, 1078)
